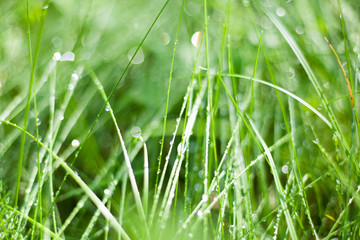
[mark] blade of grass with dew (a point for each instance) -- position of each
(130, 171)
(296, 167)
(209, 114)
(277, 184)
(51, 146)
(106, 213)
(145, 198)
(225, 33)
(168, 96)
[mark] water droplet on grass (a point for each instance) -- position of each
(179, 150)
(67, 57)
(106, 191)
(300, 30)
(136, 132)
(57, 56)
(166, 38)
(280, 12)
(75, 76)
(75, 143)
(107, 108)
(195, 39)
(56, 41)
(70, 87)
(139, 57)
(285, 169)
(38, 122)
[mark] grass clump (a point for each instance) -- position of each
(179, 119)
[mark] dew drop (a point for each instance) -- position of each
(70, 87)
(300, 30)
(75, 143)
(75, 76)
(107, 108)
(200, 213)
(285, 169)
(106, 191)
(316, 141)
(136, 132)
(280, 12)
(38, 122)
(56, 41)
(139, 57)
(57, 56)
(68, 57)
(166, 38)
(181, 148)
(195, 39)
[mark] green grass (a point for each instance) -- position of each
(251, 134)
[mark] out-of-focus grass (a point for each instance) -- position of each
(242, 154)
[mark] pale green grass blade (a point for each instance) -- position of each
(278, 185)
